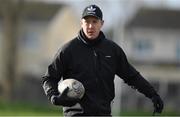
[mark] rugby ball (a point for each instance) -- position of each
(76, 88)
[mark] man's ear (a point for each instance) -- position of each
(102, 22)
(81, 22)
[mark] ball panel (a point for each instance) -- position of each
(76, 88)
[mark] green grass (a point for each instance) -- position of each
(143, 113)
(28, 109)
(32, 109)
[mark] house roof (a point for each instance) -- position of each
(41, 10)
(38, 10)
(156, 18)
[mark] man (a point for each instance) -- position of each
(93, 60)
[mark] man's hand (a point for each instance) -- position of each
(63, 100)
(158, 104)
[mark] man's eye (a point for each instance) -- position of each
(86, 21)
(94, 21)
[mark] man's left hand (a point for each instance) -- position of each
(158, 104)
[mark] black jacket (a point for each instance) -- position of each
(95, 64)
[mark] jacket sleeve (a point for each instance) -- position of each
(53, 75)
(132, 77)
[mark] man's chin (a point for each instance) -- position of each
(91, 37)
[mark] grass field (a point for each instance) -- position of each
(141, 113)
(31, 109)
(28, 109)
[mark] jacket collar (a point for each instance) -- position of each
(84, 39)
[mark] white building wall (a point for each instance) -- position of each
(164, 49)
(163, 44)
(30, 51)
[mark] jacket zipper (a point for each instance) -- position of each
(95, 63)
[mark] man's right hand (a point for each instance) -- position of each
(63, 100)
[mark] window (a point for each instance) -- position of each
(31, 40)
(31, 35)
(173, 90)
(178, 49)
(142, 47)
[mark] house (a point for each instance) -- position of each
(42, 29)
(152, 43)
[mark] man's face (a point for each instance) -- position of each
(91, 26)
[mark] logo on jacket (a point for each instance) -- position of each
(108, 56)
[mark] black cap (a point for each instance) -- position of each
(93, 10)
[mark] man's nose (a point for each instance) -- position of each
(90, 25)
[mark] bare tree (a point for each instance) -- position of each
(11, 13)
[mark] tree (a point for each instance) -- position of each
(11, 12)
